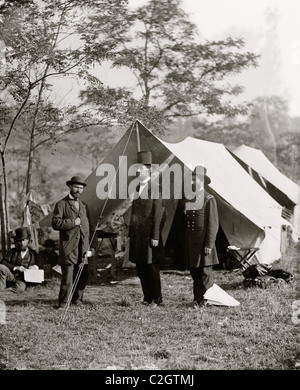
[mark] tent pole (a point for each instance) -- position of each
(138, 137)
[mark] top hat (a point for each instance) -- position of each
(198, 171)
(145, 158)
(21, 234)
(76, 180)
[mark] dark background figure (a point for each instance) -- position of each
(146, 247)
(202, 226)
(71, 218)
(17, 259)
(48, 258)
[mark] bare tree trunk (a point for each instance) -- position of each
(29, 168)
(32, 134)
(39, 99)
(2, 218)
(4, 202)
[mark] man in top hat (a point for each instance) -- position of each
(72, 219)
(202, 224)
(146, 247)
(17, 260)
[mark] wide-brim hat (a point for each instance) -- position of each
(21, 234)
(76, 180)
(145, 158)
(201, 170)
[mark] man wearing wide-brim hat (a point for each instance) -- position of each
(202, 224)
(72, 219)
(17, 260)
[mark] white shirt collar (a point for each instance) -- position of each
(23, 253)
(143, 185)
(72, 198)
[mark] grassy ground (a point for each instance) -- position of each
(114, 331)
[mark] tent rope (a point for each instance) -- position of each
(79, 272)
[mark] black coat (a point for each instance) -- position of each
(146, 223)
(12, 259)
(63, 219)
(201, 230)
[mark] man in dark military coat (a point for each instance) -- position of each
(71, 218)
(146, 247)
(202, 224)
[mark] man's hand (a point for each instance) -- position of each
(20, 268)
(33, 267)
(207, 251)
(154, 242)
(77, 221)
(93, 250)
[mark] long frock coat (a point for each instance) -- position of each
(64, 215)
(146, 223)
(201, 230)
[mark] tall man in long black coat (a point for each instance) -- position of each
(202, 224)
(71, 217)
(146, 247)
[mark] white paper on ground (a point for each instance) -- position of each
(215, 295)
(34, 275)
(57, 268)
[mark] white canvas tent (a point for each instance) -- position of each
(248, 215)
(285, 191)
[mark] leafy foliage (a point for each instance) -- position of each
(176, 72)
(268, 128)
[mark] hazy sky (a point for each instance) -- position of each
(279, 70)
(270, 28)
(248, 19)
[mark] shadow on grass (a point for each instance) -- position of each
(232, 286)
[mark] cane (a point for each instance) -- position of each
(75, 282)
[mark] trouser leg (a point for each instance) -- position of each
(18, 286)
(202, 281)
(6, 277)
(155, 283)
(81, 282)
(80, 277)
(141, 270)
(149, 275)
(66, 283)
